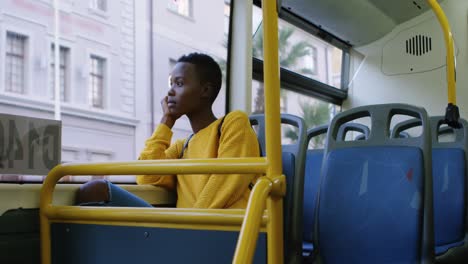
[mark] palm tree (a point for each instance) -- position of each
(288, 57)
(314, 114)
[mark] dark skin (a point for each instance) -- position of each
(187, 95)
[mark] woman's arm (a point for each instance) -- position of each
(158, 147)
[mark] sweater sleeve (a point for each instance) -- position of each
(158, 147)
(237, 140)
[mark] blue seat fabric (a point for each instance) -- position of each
(448, 172)
(370, 208)
(313, 165)
(439, 250)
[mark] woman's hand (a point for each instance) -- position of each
(169, 117)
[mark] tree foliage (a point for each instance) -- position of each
(314, 113)
(288, 57)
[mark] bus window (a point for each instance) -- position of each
(315, 112)
(310, 75)
(301, 52)
(113, 64)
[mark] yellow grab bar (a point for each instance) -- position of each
(452, 113)
(274, 186)
(452, 98)
(50, 213)
(271, 186)
(247, 241)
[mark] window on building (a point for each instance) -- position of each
(172, 63)
(181, 7)
(100, 5)
(96, 81)
(113, 76)
(15, 63)
(63, 76)
(227, 14)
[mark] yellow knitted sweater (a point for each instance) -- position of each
(237, 139)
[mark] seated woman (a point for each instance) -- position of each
(195, 82)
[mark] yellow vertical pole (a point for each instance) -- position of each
(452, 97)
(275, 230)
(272, 128)
(45, 239)
(45, 202)
(272, 88)
(248, 236)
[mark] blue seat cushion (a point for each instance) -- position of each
(370, 207)
(313, 165)
(448, 172)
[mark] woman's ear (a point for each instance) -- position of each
(207, 90)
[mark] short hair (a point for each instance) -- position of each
(207, 69)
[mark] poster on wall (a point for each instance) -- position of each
(30, 146)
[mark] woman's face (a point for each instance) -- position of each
(185, 89)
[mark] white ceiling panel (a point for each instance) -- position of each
(358, 22)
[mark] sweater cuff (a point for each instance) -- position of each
(162, 132)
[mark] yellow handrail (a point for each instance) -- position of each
(273, 131)
(452, 97)
(272, 88)
(131, 216)
(452, 114)
(247, 241)
(249, 231)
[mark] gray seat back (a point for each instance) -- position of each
(293, 159)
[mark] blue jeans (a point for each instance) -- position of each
(119, 197)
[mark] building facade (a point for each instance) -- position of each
(114, 63)
(97, 69)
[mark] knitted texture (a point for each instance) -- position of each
(237, 140)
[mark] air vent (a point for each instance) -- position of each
(414, 49)
(418, 45)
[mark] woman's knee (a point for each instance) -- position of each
(93, 191)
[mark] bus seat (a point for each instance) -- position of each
(293, 159)
(375, 196)
(449, 160)
(344, 129)
(313, 166)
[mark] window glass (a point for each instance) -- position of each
(111, 79)
(100, 5)
(15, 61)
(227, 14)
(174, 36)
(96, 81)
(314, 112)
(63, 75)
(301, 52)
(181, 7)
